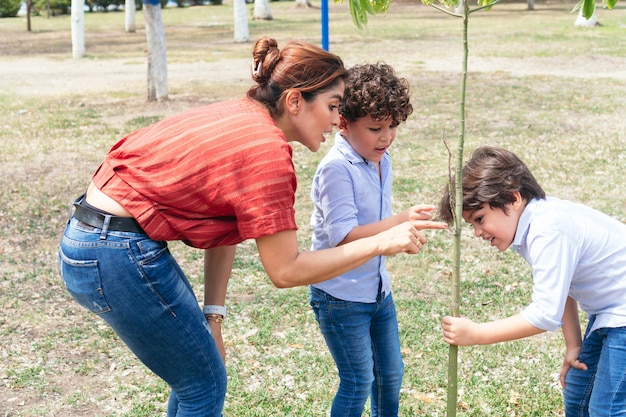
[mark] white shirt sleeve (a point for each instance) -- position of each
(553, 254)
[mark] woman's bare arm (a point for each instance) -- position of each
(287, 267)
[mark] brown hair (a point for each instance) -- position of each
(375, 90)
(301, 66)
(492, 176)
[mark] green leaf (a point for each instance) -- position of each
(588, 8)
(357, 16)
(366, 5)
(446, 3)
(359, 9)
(577, 6)
(611, 3)
(489, 3)
(380, 6)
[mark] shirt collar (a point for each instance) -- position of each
(348, 151)
(524, 222)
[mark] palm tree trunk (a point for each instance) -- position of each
(129, 16)
(157, 52)
(240, 12)
(78, 28)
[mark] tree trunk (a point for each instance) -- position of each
(29, 7)
(582, 22)
(78, 28)
(531, 4)
(304, 4)
(262, 10)
(129, 16)
(157, 52)
(242, 33)
(460, 8)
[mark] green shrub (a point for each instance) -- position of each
(52, 7)
(9, 8)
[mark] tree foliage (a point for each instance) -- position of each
(588, 6)
(360, 9)
(9, 8)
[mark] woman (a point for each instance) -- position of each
(211, 177)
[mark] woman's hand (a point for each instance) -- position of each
(216, 329)
(404, 237)
(218, 263)
(287, 267)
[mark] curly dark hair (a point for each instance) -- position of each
(375, 90)
(491, 176)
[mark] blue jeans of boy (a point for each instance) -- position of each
(137, 287)
(363, 340)
(601, 390)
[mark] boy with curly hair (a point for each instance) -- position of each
(351, 193)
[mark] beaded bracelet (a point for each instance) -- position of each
(217, 318)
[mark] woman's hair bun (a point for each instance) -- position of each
(265, 57)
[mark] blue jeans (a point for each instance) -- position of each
(363, 340)
(136, 286)
(601, 390)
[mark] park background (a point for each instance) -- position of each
(550, 92)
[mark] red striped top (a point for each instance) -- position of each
(211, 176)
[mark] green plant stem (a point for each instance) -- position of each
(458, 210)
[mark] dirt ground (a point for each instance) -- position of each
(54, 76)
(45, 76)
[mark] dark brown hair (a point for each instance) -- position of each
(299, 65)
(492, 176)
(375, 90)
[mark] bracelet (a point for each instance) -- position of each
(217, 318)
(221, 310)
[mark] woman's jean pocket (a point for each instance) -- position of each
(83, 282)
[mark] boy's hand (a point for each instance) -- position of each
(459, 331)
(421, 214)
(571, 361)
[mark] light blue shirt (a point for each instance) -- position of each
(347, 192)
(577, 251)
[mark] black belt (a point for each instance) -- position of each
(94, 219)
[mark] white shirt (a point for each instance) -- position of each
(577, 251)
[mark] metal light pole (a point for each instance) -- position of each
(325, 24)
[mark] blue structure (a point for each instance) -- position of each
(325, 24)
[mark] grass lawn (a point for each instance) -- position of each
(552, 93)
